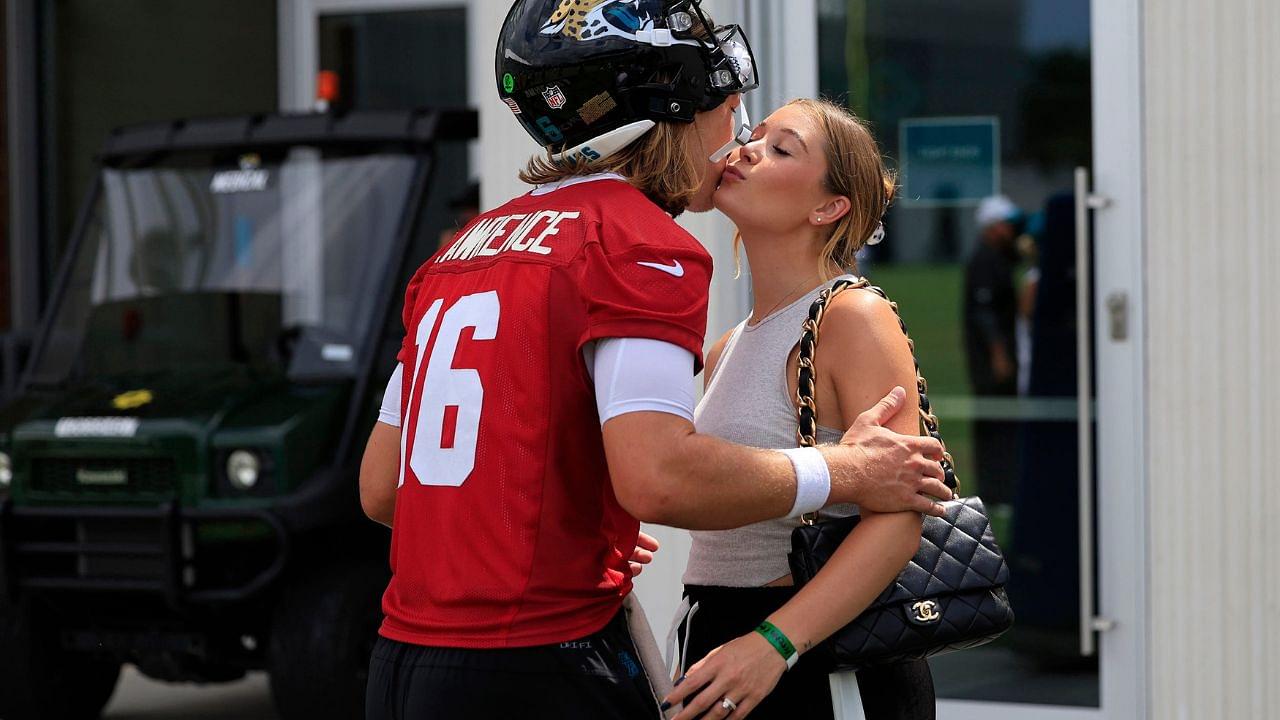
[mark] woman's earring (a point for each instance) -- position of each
(819, 218)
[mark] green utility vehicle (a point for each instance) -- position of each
(178, 468)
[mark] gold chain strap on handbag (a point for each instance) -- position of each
(807, 409)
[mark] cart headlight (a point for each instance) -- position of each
(6, 471)
(243, 468)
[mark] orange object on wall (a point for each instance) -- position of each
(328, 86)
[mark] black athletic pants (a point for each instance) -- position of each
(595, 677)
(891, 692)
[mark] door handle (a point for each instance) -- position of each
(1090, 622)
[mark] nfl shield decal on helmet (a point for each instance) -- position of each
(554, 96)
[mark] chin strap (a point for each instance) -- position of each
(599, 148)
(741, 138)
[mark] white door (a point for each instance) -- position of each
(1024, 317)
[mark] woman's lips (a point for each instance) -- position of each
(733, 172)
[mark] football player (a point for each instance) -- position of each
(543, 402)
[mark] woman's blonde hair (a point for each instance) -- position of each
(856, 170)
(666, 164)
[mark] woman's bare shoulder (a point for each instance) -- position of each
(857, 317)
(862, 330)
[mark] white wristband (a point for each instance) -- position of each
(813, 480)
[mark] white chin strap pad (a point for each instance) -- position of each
(742, 137)
(601, 147)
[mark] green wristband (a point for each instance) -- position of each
(780, 642)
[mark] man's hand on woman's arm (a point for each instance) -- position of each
(665, 472)
(895, 472)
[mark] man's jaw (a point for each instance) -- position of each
(704, 200)
(741, 135)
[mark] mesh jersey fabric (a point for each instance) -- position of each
(507, 532)
(630, 375)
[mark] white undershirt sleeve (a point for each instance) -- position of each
(630, 374)
(389, 413)
(639, 374)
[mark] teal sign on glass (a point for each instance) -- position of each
(949, 160)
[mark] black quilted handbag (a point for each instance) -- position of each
(949, 597)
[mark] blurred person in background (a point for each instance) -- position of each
(1028, 286)
(990, 336)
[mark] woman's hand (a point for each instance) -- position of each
(646, 546)
(743, 671)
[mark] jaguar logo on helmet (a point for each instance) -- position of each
(555, 97)
(591, 19)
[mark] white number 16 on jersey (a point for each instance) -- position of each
(434, 458)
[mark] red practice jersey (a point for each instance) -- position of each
(507, 532)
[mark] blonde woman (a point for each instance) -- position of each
(806, 193)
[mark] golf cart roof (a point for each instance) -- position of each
(413, 128)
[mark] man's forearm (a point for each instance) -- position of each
(664, 472)
(711, 484)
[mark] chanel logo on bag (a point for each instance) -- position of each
(924, 612)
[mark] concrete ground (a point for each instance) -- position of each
(141, 698)
(990, 673)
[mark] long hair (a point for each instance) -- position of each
(855, 169)
(666, 164)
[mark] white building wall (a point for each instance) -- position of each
(1212, 111)
(504, 146)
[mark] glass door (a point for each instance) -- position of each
(985, 108)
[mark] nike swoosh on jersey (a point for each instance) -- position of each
(676, 269)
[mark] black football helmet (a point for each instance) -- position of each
(589, 77)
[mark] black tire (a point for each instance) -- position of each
(322, 633)
(41, 680)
